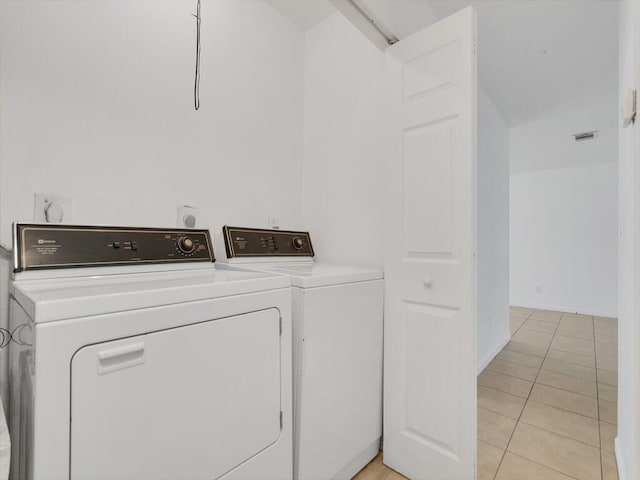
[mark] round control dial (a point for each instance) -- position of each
(186, 245)
(297, 243)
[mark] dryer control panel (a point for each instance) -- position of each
(262, 242)
(40, 247)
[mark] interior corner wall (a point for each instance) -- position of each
(343, 186)
(564, 219)
(97, 105)
(627, 443)
(493, 231)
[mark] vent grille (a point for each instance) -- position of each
(578, 137)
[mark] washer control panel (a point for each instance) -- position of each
(262, 242)
(64, 246)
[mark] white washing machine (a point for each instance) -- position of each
(133, 358)
(337, 349)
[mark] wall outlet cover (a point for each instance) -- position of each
(51, 208)
(273, 223)
(187, 216)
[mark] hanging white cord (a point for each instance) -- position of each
(196, 86)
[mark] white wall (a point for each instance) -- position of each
(563, 239)
(547, 142)
(97, 104)
(564, 219)
(343, 184)
(493, 231)
(628, 441)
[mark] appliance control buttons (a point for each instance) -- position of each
(39, 246)
(297, 243)
(186, 245)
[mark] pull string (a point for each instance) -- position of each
(196, 85)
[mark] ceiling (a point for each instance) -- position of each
(535, 57)
(304, 13)
(539, 56)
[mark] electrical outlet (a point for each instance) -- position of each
(187, 216)
(539, 289)
(274, 224)
(50, 208)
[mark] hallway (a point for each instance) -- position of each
(546, 403)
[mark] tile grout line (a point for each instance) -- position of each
(517, 351)
(535, 381)
(500, 391)
(512, 363)
(595, 356)
(543, 465)
(572, 363)
(563, 410)
(525, 321)
(542, 428)
(527, 399)
(504, 452)
(536, 401)
(506, 449)
(543, 359)
(569, 391)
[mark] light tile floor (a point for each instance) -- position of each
(547, 403)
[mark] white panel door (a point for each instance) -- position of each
(430, 272)
(191, 403)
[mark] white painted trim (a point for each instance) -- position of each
(619, 461)
(558, 308)
(492, 354)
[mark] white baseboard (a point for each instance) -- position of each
(492, 354)
(565, 309)
(622, 473)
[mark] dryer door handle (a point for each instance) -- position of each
(120, 357)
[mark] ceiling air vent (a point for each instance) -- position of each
(578, 137)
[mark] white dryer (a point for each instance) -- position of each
(133, 358)
(337, 349)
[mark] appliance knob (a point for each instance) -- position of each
(186, 245)
(297, 243)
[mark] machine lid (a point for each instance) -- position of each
(317, 274)
(67, 298)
